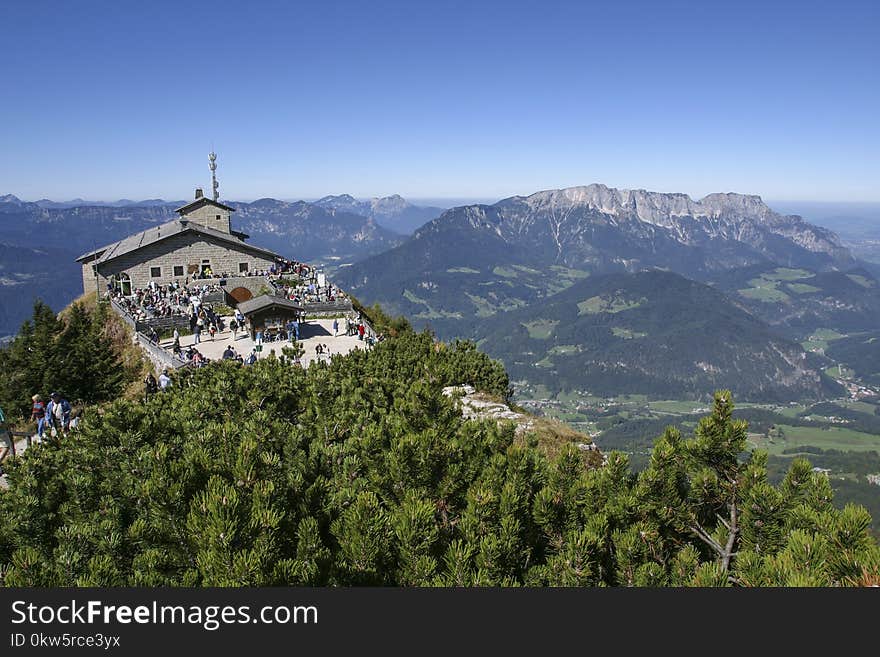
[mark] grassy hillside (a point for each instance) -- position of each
(653, 333)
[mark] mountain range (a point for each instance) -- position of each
(492, 271)
(554, 237)
(391, 212)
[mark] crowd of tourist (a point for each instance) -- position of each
(312, 293)
(156, 300)
(302, 283)
(54, 418)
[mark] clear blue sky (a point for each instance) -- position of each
(114, 99)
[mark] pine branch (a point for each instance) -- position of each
(733, 530)
(708, 540)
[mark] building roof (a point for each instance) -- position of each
(267, 301)
(200, 202)
(163, 232)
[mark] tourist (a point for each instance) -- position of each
(150, 386)
(58, 412)
(38, 414)
(212, 330)
(164, 379)
(233, 326)
(76, 417)
(7, 443)
(361, 331)
(252, 358)
(335, 327)
(228, 353)
(176, 335)
(198, 333)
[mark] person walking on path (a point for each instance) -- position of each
(58, 412)
(150, 386)
(335, 327)
(164, 379)
(7, 443)
(38, 415)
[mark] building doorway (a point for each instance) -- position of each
(205, 270)
(122, 284)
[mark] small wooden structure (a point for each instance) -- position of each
(269, 315)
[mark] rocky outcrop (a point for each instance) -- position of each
(476, 406)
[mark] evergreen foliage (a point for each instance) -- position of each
(76, 354)
(361, 472)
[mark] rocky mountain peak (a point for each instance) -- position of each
(651, 207)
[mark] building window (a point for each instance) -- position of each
(218, 217)
(242, 267)
(155, 272)
(178, 270)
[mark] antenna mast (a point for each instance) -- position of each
(212, 162)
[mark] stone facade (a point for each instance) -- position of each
(210, 216)
(177, 258)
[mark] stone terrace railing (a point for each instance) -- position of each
(123, 313)
(159, 356)
(326, 307)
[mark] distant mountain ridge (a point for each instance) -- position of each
(592, 229)
(651, 229)
(298, 230)
(392, 212)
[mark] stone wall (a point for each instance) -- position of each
(329, 308)
(210, 216)
(159, 357)
(251, 283)
(186, 250)
(88, 275)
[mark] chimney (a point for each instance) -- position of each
(199, 193)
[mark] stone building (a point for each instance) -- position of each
(200, 243)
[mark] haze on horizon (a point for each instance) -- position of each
(463, 101)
